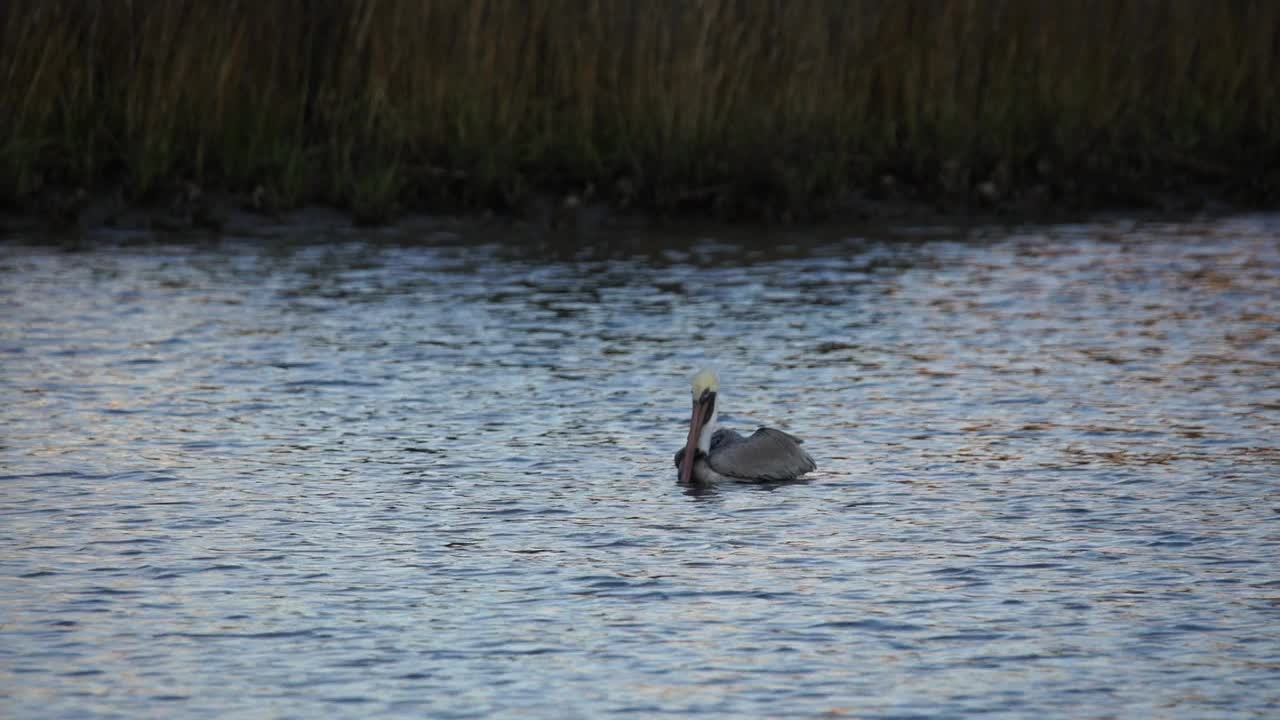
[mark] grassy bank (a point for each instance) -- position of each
(737, 107)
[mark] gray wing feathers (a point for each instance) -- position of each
(767, 455)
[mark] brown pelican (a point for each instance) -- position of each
(714, 454)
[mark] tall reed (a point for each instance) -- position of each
(736, 104)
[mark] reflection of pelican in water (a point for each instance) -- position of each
(712, 455)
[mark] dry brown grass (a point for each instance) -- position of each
(731, 104)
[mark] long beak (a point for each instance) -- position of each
(691, 445)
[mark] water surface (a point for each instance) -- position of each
(416, 475)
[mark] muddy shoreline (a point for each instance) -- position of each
(78, 212)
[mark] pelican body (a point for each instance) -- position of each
(713, 454)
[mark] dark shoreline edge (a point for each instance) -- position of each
(76, 212)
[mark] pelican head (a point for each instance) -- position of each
(702, 425)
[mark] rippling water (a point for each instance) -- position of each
(408, 476)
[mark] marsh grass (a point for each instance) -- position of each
(734, 106)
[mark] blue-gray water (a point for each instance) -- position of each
(430, 476)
